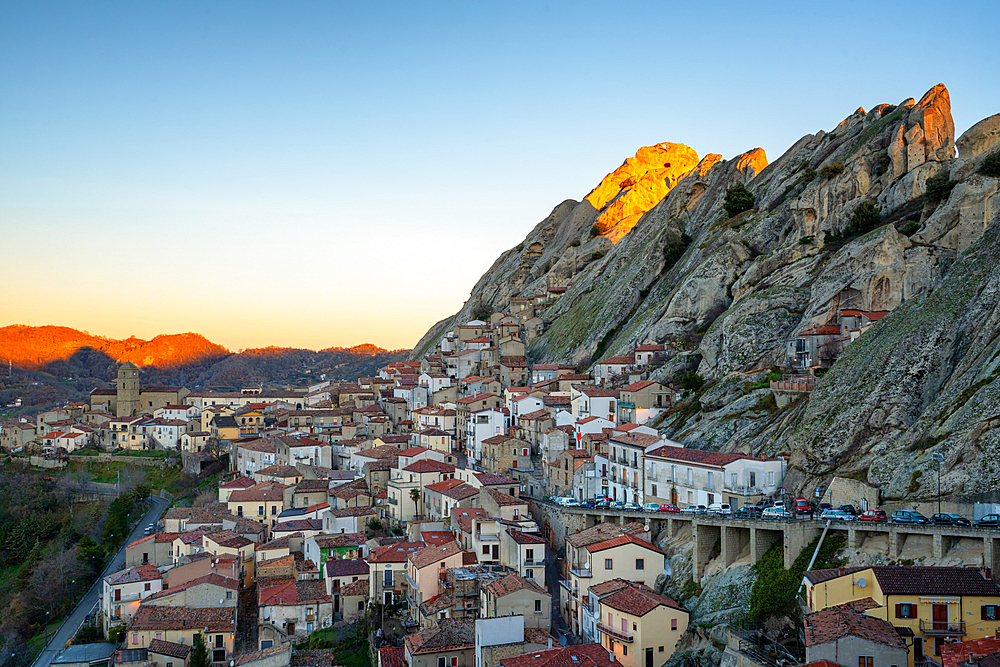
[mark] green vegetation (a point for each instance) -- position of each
(776, 588)
(805, 240)
(595, 231)
(738, 199)
(374, 524)
(865, 218)
(910, 228)
(991, 165)
(832, 169)
(692, 381)
(768, 404)
(914, 485)
(89, 634)
(774, 374)
(674, 250)
(939, 187)
(199, 653)
(808, 175)
(350, 644)
(596, 256)
(575, 243)
(883, 164)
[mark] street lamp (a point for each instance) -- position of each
(46, 629)
(72, 591)
(939, 457)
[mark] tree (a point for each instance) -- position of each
(415, 497)
(738, 199)
(199, 653)
(692, 381)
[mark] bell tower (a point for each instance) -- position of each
(128, 390)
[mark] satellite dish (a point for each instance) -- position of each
(562, 640)
(586, 566)
(861, 582)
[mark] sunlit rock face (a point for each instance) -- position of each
(638, 185)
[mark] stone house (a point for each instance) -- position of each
(845, 633)
(515, 595)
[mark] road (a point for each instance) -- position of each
(74, 621)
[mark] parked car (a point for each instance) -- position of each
(825, 506)
(802, 506)
(671, 509)
(764, 503)
(571, 502)
(751, 512)
(616, 505)
(873, 516)
(694, 509)
(989, 521)
(720, 509)
(587, 504)
(949, 519)
(908, 516)
(632, 507)
(651, 507)
(775, 513)
(850, 509)
(836, 515)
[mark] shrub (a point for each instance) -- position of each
(692, 381)
(991, 166)
(596, 256)
(808, 175)
(548, 265)
(909, 229)
(674, 250)
(575, 243)
(375, 524)
(595, 231)
(866, 217)
(520, 247)
(738, 199)
(887, 109)
(939, 186)
(805, 240)
(832, 169)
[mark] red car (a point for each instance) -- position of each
(874, 516)
(673, 509)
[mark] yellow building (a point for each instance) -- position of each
(639, 626)
(935, 604)
(181, 624)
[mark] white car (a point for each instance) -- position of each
(571, 502)
(720, 509)
(694, 509)
(774, 513)
(651, 507)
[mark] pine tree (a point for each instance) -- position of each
(199, 653)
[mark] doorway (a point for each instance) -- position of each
(649, 657)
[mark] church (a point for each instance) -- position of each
(129, 400)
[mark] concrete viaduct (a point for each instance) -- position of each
(729, 537)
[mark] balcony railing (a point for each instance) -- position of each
(620, 635)
(410, 582)
(568, 585)
(584, 573)
(487, 537)
(942, 628)
(392, 501)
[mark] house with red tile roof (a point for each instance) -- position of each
(524, 552)
(289, 609)
(123, 592)
(424, 569)
(512, 595)
(843, 632)
(387, 570)
(452, 640)
(634, 622)
(611, 367)
(577, 655)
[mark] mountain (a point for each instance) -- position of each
(877, 214)
(55, 364)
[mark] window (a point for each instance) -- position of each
(218, 642)
(441, 662)
(538, 606)
(733, 480)
(147, 586)
(690, 476)
(640, 563)
(906, 610)
(673, 473)
(673, 626)
(135, 637)
(529, 574)
(654, 489)
(274, 510)
(229, 595)
(770, 478)
(529, 555)
(486, 549)
(753, 480)
(711, 483)
(659, 650)
(219, 655)
(260, 510)
(159, 635)
(239, 510)
(652, 470)
(866, 661)
(624, 649)
(387, 577)
(454, 661)
(607, 564)
(991, 612)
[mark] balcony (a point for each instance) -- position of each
(618, 635)
(392, 501)
(487, 537)
(409, 581)
(568, 585)
(942, 628)
(584, 573)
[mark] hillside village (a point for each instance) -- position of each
(413, 505)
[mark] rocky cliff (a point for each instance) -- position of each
(730, 291)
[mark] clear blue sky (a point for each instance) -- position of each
(316, 174)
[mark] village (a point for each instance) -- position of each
(405, 506)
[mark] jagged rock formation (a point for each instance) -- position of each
(919, 381)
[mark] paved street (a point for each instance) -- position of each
(75, 620)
